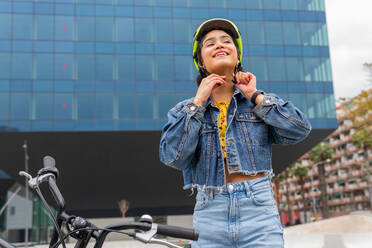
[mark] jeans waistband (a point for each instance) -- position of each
(244, 186)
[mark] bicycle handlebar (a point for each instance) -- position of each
(4, 244)
(49, 174)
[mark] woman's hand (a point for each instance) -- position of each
(246, 83)
(206, 86)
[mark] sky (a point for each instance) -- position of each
(350, 40)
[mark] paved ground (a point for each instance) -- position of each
(350, 231)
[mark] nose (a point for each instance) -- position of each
(219, 44)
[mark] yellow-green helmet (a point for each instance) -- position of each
(219, 24)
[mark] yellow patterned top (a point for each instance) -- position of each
(222, 122)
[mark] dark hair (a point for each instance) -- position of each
(202, 72)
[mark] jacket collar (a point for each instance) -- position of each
(237, 94)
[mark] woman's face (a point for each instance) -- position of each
(219, 53)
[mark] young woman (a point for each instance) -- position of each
(221, 140)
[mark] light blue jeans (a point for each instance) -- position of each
(240, 215)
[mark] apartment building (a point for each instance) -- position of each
(346, 177)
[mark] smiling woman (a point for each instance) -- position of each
(221, 140)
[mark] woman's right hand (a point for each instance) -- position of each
(206, 86)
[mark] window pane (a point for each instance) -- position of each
(182, 31)
(85, 28)
(295, 70)
(258, 66)
(146, 106)
(330, 106)
(276, 69)
(64, 28)
(289, 4)
(125, 29)
(326, 70)
(44, 27)
(271, 4)
(64, 65)
(85, 105)
(164, 30)
(273, 32)
(4, 65)
(316, 105)
(125, 67)
(256, 34)
(183, 67)
(144, 67)
(22, 26)
(164, 67)
(63, 106)
(291, 33)
(144, 30)
(127, 108)
(299, 100)
(104, 28)
(312, 69)
(166, 102)
(254, 4)
(43, 66)
(311, 5)
(314, 34)
(21, 65)
(85, 66)
(5, 26)
(43, 106)
(104, 106)
(4, 106)
(104, 67)
(20, 106)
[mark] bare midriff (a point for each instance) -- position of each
(240, 177)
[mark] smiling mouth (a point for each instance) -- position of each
(221, 54)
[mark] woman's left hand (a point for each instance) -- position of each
(246, 83)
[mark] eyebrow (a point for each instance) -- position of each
(213, 38)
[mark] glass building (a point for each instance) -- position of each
(91, 82)
(83, 65)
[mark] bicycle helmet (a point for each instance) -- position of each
(213, 24)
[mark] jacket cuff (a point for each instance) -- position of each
(192, 109)
(266, 104)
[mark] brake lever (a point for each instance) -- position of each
(34, 181)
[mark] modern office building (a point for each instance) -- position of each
(90, 83)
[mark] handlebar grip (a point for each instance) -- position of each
(178, 232)
(56, 193)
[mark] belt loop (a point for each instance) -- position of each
(247, 189)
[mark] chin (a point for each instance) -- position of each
(222, 67)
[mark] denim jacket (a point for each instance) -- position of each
(190, 139)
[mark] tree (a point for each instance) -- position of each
(322, 154)
(301, 172)
(277, 180)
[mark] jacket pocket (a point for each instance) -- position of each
(253, 129)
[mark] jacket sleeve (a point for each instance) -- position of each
(180, 135)
(287, 124)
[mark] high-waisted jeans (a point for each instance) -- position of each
(242, 214)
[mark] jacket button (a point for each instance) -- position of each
(230, 188)
(192, 108)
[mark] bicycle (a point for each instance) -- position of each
(83, 231)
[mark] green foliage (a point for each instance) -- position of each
(300, 171)
(363, 138)
(321, 152)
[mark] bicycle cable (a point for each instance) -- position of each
(38, 191)
(92, 228)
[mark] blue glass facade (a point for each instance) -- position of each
(103, 65)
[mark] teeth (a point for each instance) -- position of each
(221, 53)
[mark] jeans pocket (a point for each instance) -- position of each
(262, 196)
(202, 201)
